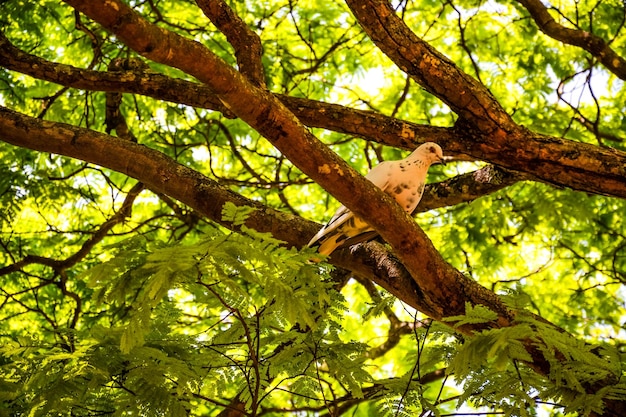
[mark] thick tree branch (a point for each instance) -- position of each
(433, 71)
(439, 281)
(157, 171)
(490, 133)
(247, 44)
(590, 42)
(371, 125)
(553, 160)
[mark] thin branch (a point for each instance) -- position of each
(101, 233)
(463, 41)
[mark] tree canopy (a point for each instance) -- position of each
(164, 164)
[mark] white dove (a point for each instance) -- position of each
(402, 179)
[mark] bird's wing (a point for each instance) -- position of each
(344, 230)
(340, 217)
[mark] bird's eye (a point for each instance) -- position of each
(432, 149)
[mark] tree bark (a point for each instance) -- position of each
(492, 133)
(591, 43)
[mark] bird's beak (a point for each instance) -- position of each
(442, 160)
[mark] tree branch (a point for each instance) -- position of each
(137, 82)
(590, 42)
(553, 160)
(247, 44)
(467, 187)
(157, 171)
(439, 282)
(488, 132)
(432, 70)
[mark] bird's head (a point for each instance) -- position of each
(431, 152)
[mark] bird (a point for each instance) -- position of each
(402, 179)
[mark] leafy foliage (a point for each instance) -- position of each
(118, 300)
(155, 352)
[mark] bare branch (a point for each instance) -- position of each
(247, 44)
(433, 71)
(467, 187)
(59, 265)
(590, 42)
